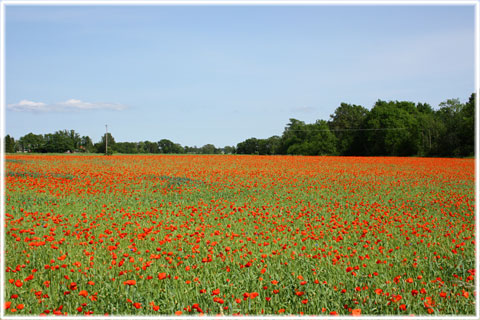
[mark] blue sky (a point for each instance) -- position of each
(222, 74)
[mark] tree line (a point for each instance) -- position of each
(393, 128)
(69, 141)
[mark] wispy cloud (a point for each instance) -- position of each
(64, 106)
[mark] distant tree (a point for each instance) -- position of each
(307, 139)
(229, 149)
(151, 147)
(425, 108)
(100, 146)
(166, 146)
(249, 146)
(318, 140)
(61, 141)
(346, 124)
(141, 147)
(396, 128)
(295, 133)
(268, 146)
(429, 133)
(208, 149)
(179, 149)
(76, 139)
(31, 142)
(9, 144)
(259, 146)
(466, 127)
(272, 145)
(323, 141)
(457, 127)
(126, 147)
(429, 128)
(393, 129)
(86, 144)
(192, 150)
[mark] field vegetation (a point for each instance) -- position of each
(190, 235)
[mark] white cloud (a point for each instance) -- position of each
(69, 105)
(26, 105)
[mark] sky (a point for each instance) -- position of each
(222, 74)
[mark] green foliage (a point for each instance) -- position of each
(249, 146)
(86, 144)
(208, 149)
(467, 127)
(167, 146)
(127, 147)
(313, 235)
(293, 134)
(31, 143)
(229, 150)
(346, 123)
(453, 116)
(393, 128)
(9, 144)
(307, 139)
(111, 144)
(150, 147)
(267, 146)
(61, 141)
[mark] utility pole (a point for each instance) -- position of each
(106, 139)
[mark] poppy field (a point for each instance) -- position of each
(238, 235)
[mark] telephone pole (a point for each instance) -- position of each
(106, 139)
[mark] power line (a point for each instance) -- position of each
(372, 129)
(290, 130)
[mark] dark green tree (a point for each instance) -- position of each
(76, 139)
(179, 148)
(295, 133)
(31, 143)
(61, 141)
(393, 129)
(269, 146)
(430, 130)
(347, 123)
(307, 139)
(466, 129)
(208, 149)
(100, 146)
(318, 140)
(249, 146)
(150, 147)
(166, 146)
(86, 144)
(450, 118)
(126, 147)
(9, 144)
(192, 150)
(229, 150)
